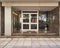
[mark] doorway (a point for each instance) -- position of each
(29, 21)
(36, 23)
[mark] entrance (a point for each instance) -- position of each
(29, 21)
(34, 23)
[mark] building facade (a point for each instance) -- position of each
(29, 18)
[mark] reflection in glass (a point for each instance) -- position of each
(25, 17)
(34, 18)
(33, 26)
(25, 26)
(43, 24)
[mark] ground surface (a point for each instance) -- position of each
(29, 42)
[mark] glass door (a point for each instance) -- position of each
(34, 22)
(29, 21)
(25, 23)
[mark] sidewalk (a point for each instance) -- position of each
(29, 42)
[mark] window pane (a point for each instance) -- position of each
(33, 26)
(25, 17)
(43, 21)
(25, 26)
(34, 18)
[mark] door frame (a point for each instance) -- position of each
(29, 20)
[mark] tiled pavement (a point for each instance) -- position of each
(29, 42)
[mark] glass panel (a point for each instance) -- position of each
(34, 18)
(43, 24)
(25, 26)
(33, 26)
(25, 17)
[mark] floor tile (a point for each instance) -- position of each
(34, 38)
(29, 42)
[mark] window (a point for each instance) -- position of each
(25, 17)
(30, 21)
(25, 26)
(33, 26)
(34, 18)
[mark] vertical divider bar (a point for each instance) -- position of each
(29, 21)
(22, 22)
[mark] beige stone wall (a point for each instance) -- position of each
(29, 3)
(8, 21)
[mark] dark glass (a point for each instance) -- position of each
(34, 18)
(43, 23)
(33, 26)
(25, 20)
(25, 26)
(25, 17)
